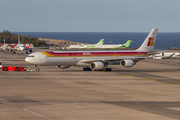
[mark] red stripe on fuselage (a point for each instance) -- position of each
(89, 54)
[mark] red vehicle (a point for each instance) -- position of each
(13, 68)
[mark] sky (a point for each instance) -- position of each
(89, 15)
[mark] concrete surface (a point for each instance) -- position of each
(148, 91)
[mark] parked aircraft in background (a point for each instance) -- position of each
(111, 46)
(93, 60)
(101, 46)
(22, 47)
(84, 46)
(166, 55)
(4, 47)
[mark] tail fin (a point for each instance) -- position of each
(127, 44)
(18, 39)
(149, 42)
(100, 42)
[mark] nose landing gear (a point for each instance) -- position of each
(37, 68)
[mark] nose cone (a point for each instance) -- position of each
(26, 59)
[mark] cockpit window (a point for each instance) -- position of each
(30, 56)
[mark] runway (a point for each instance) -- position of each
(149, 90)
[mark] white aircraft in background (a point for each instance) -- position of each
(4, 47)
(22, 47)
(93, 60)
(85, 46)
(166, 55)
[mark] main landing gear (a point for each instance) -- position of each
(104, 69)
(37, 68)
(107, 69)
(87, 69)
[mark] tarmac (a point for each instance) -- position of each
(150, 90)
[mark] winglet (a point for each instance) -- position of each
(149, 42)
(100, 42)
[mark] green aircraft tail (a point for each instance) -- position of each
(127, 44)
(100, 42)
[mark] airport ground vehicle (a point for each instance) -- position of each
(13, 68)
(1, 64)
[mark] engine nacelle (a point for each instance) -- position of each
(157, 57)
(97, 65)
(63, 67)
(30, 51)
(127, 63)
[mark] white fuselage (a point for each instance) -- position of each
(4, 47)
(20, 47)
(74, 57)
(165, 55)
(94, 46)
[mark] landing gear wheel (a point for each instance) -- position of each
(87, 69)
(107, 69)
(17, 69)
(5, 69)
(37, 68)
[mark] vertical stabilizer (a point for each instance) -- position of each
(100, 42)
(18, 39)
(127, 44)
(149, 42)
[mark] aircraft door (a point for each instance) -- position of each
(40, 56)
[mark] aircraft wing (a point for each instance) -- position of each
(136, 59)
(170, 56)
(12, 48)
(153, 53)
(36, 48)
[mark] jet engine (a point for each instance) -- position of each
(127, 63)
(63, 67)
(30, 51)
(157, 57)
(97, 65)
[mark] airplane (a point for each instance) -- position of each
(4, 47)
(18, 47)
(22, 47)
(101, 46)
(85, 46)
(166, 55)
(93, 60)
(111, 46)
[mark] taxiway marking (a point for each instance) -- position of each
(127, 75)
(148, 79)
(25, 109)
(172, 84)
